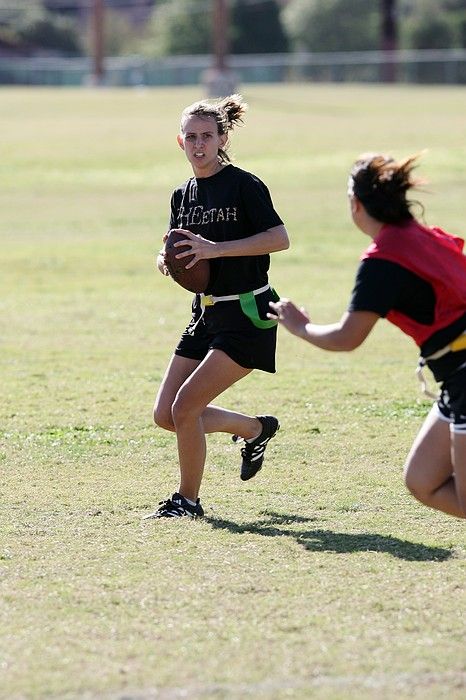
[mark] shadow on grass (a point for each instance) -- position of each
(273, 525)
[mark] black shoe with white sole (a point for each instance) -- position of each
(253, 452)
(177, 507)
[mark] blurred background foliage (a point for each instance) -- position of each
(153, 28)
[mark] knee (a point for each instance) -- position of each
(411, 482)
(183, 409)
(416, 484)
(163, 418)
(179, 411)
(413, 488)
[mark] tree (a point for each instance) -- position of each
(257, 28)
(179, 27)
(185, 27)
(51, 34)
(38, 29)
(456, 16)
(431, 33)
(428, 27)
(433, 24)
(333, 25)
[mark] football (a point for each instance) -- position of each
(197, 277)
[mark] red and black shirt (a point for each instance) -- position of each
(415, 276)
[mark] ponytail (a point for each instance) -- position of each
(381, 184)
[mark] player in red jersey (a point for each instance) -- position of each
(414, 276)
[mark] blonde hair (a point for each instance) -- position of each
(381, 184)
(227, 113)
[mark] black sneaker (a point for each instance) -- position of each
(177, 507)
(253, 452)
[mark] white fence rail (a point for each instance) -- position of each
(426, 66)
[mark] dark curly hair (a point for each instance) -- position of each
(381, 184)
(227, 113)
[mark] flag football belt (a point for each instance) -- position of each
(455, 346)
(247, 302)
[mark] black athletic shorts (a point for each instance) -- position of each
(224, 326)
(452, 401)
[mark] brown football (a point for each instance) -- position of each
(197, 277)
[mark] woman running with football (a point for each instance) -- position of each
(228, 217)
(414, 276)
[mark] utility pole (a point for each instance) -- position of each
(389, 36)
(220, 34)
(97, 42)
(219, 80)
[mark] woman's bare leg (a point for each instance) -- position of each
(178, 370)
(216, 373)
(429, 468)
(459, 465)
(215, 419)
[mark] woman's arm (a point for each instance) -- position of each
(270, 241)
(160, 264)
(160, 259)
(348, 334)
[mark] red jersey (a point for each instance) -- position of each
(434, 255)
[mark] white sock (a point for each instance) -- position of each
(191, 503)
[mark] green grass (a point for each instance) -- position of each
(322, 578)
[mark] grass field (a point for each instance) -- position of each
(321, 578)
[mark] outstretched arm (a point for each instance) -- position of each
(270, 241)
(347, 334)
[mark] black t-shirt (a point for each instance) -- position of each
(227, 206)
(382, 286)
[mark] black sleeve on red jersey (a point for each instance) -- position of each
(382, 285)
